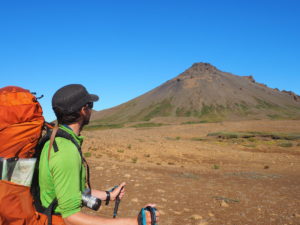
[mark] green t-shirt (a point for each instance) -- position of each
(63, 176)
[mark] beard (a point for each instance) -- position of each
(85, 120)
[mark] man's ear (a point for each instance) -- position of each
(83, 111)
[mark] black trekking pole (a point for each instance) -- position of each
(117, 203)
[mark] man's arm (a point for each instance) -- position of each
(102, 194)
(80, 218)
(84, 219)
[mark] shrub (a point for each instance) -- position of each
(103, 126)
(286, 144)
(87, 154)
(195, 122)
(197, 139)
(147, 125)
(216, 167)
(250, 146)
(134, 160)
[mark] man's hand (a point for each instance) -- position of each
(120, 189)
(148, 215)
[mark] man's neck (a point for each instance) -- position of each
(76, 127)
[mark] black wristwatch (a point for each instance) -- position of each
(107, 197)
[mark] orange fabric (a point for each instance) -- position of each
(43, 220)
(15, 202)
(21, 122)
(20, 139)
(16, 207)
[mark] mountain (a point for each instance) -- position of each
(203, 92)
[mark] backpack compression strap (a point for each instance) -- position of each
(142, 215)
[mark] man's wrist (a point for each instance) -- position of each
(107, 197)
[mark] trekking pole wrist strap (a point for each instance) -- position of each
(142, 216)
(108, 194)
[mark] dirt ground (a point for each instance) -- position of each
(201, 180)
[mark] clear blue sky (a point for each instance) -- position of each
(121, 49)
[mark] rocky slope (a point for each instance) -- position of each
(205, 93)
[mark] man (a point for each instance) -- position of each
(62, 174)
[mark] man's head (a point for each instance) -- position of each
(73, 103)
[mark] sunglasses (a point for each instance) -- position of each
(90, 105)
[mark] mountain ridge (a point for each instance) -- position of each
(204, 92)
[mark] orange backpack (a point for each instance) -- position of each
(21, 124)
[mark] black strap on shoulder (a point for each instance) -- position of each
(55, 146)
(50, 211)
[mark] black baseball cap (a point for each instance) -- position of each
(71, 98)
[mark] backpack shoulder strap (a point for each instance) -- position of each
(66, 135)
